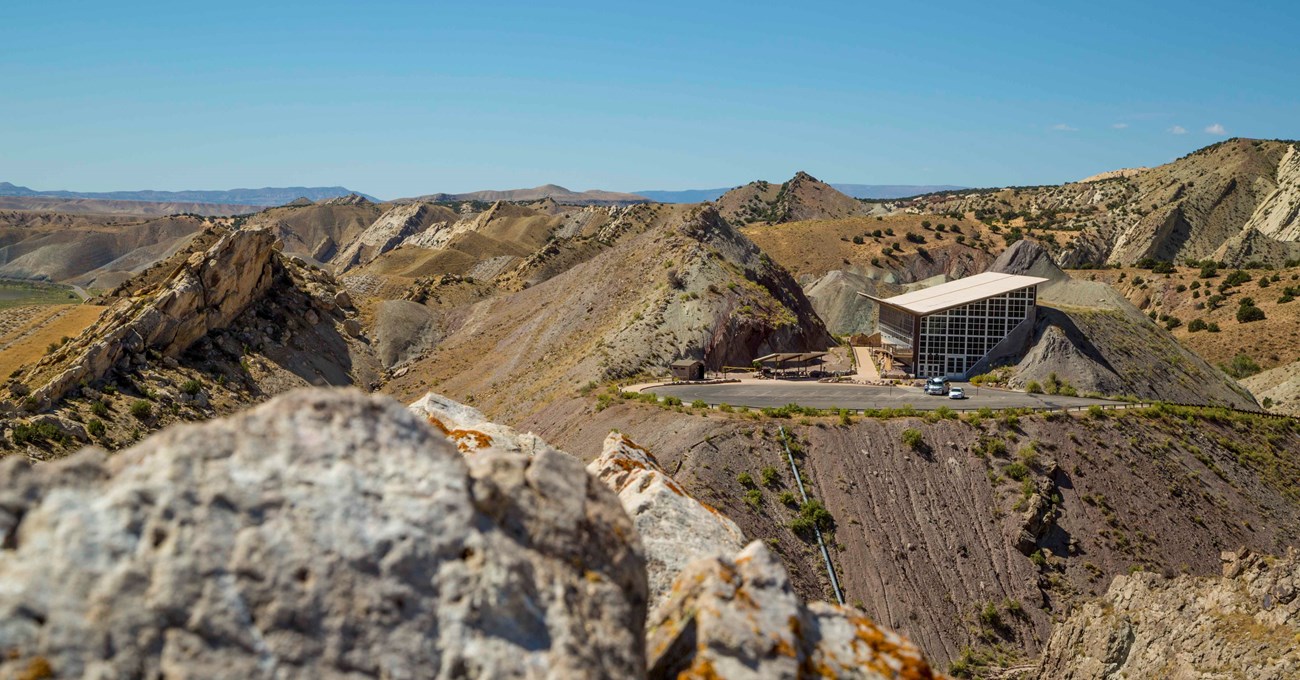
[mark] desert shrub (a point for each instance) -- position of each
(787, 498)
(1241, 366)
(699, 403)
(745, 479)
(672, 401)
(913, 438)
(1196, 325)
(1237, 278)
(811, 514)
(1017, 471)
(769, 477)
(754, 498)
(1032, 387)
(141, 409)
(1249, 313)
(95, 427)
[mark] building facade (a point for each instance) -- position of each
(956, 329)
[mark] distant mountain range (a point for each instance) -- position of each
(854, 190)
(267, 196)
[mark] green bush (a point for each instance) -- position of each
(95, 427)
(913, 438)
(99, 408)
(1196, 325)
(745, 479)
(699, 403)
(812, 514)
(769, 477)
(1249, 313)
(754, 498)
(1017, 471)
(1241, 366)
(141, 409)
(1032, 387)
(788, 498)
(192, 387)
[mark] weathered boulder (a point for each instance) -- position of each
(740, 618)
(675, 528)
(1243, 625)
(323, 534)
(472, 432)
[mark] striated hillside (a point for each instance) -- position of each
(1235, 201)
(697, 288)
(317, 231)
(803, 197)
(93, 251)
(1024, 517)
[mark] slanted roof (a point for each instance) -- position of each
(784, 357)
(685, 363)
(959, 292)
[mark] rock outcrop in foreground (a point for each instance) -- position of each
(1244, 625)
(323, 534)
(675, 528)
(740, 618)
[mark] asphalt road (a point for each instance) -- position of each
(775, 393)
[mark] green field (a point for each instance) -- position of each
(20, 293)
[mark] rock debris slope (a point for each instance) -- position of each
(1243, 625)
(323, 534)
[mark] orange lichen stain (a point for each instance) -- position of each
(633, 445)
(465, 440)
(701, 669)
(910, 665)
(37, 669)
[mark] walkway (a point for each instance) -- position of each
(867, 370)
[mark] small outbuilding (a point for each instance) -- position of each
(688, 369)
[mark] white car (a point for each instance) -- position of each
(956, 393)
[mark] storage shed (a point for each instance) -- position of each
(688, 369)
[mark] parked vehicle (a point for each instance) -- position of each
(956, 393)
(936, 386)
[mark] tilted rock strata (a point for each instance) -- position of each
(1244, 625)
(207, 292)
(323, 534)
(675, 528)
(740, 618)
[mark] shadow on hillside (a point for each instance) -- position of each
(1048, 316)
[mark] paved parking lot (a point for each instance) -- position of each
(773, 393)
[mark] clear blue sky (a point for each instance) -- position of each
(398, 99)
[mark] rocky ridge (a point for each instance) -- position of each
(1244, 624)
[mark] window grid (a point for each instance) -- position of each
(954, 340)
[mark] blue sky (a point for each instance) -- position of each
(398, 99)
